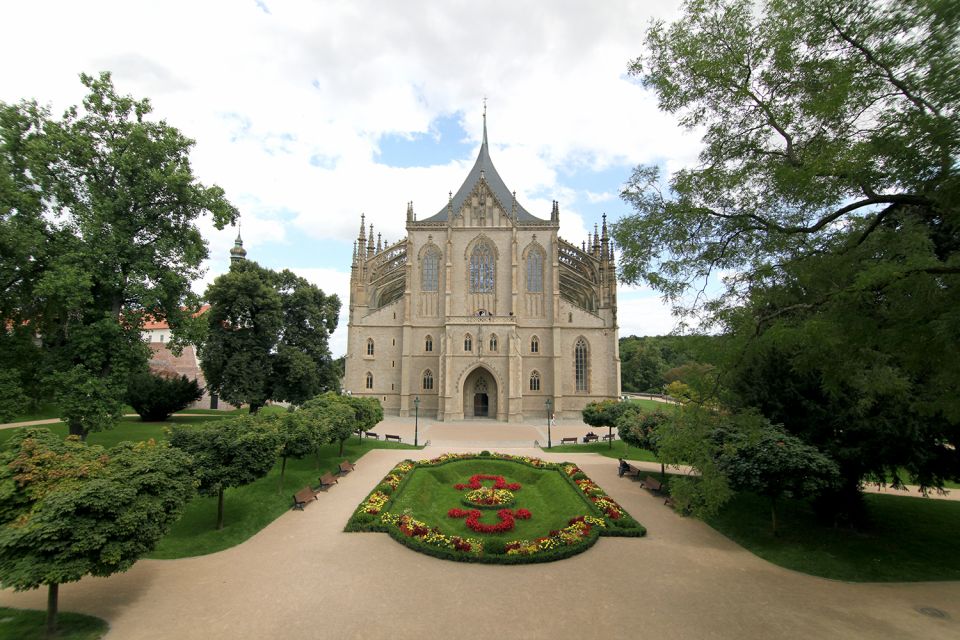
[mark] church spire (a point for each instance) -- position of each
(238, 253)
(370, 242)
(484, 143)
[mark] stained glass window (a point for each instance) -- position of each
(580, 357)
(430, 278)
(535, 272)
(534, 381)
(482, 269)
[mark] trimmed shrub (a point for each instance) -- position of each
(156, 396)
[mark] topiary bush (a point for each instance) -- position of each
(156, 396)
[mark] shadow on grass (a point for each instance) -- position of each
(28, 624)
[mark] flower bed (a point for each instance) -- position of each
(435, 535)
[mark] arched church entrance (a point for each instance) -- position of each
(480, 394)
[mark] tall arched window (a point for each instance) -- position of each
(482, 268)
(493, 342)
(468, 342)
(581, 362)
(534, 345)
(369, 380)
(428, 343)
(430, 274)
(534, 381)
(369, 346)
(535, 272)
(427, 380)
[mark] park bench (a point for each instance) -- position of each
(632, 472)
(371, 434)
(653, 484)
(390, 436)
(571, 440)
(327, 480)
(590, 437)
(346, 467)
(610, 436)
(302, 497)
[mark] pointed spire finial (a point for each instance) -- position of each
(484, 143)
(238, 253)
(379, 246)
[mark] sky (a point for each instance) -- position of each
(309, 113)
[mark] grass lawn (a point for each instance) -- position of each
(652, 405)
(269, 409)
(911, 539)
(619, 449)
(249, 509)
(429, 494)
(132, 429)
(27, 624)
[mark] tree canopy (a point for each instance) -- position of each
(228, 453)
(268, 337)
(827, 194)
(68, 509)
(97, 230)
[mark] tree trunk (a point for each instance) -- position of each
(254, 408)
(663, 472)
(341, 448)
(220, 509)
(773, 515)
(53, 592)
(283, 468)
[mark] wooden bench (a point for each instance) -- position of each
(302, 497)
(610, 436)
(390, 436)
(590, 437)
(346, 467)
(653, 484)
(371, 434)
(327, 480)
(572, 440)
(632, 472)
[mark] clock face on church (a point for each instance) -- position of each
(483, 311)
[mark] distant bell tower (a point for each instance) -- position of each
(238, 253)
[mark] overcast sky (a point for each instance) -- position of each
(309, 113)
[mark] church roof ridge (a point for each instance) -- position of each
(483, 168)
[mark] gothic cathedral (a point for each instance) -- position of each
(483, 311)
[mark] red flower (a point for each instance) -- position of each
(522, 514)
(498, 483)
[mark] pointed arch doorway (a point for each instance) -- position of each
(480, 394)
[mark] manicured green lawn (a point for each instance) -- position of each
(249, 509)
(619, 449)
(429, 494)
(653, 405)
(26, 624)
(910, 539)
(132, 429)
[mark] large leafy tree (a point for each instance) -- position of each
(228, 453)
(97, 227)
(828, 191)
(335, 417)
(268, 337)
(68, 509)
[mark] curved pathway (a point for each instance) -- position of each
(302, 577)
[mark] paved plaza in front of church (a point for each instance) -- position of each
(303, 577)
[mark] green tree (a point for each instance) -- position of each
(297, 438)
(98, 209)
(334, 416)
(367, 411)
(639, 428)
(686, 440)
(774, 464)
(228, 453)
(641, 365)
(156, 396)
(828, 187)
(268, 337)
(12, 400)
(603, 414)
(68, 509)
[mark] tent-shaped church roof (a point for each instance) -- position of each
(483, 167)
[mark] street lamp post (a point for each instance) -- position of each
(416, 418)
(549, 442)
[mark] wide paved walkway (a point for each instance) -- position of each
(302, 577)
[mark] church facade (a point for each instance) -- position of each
(483, 311)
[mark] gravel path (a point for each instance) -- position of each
(302, 577)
